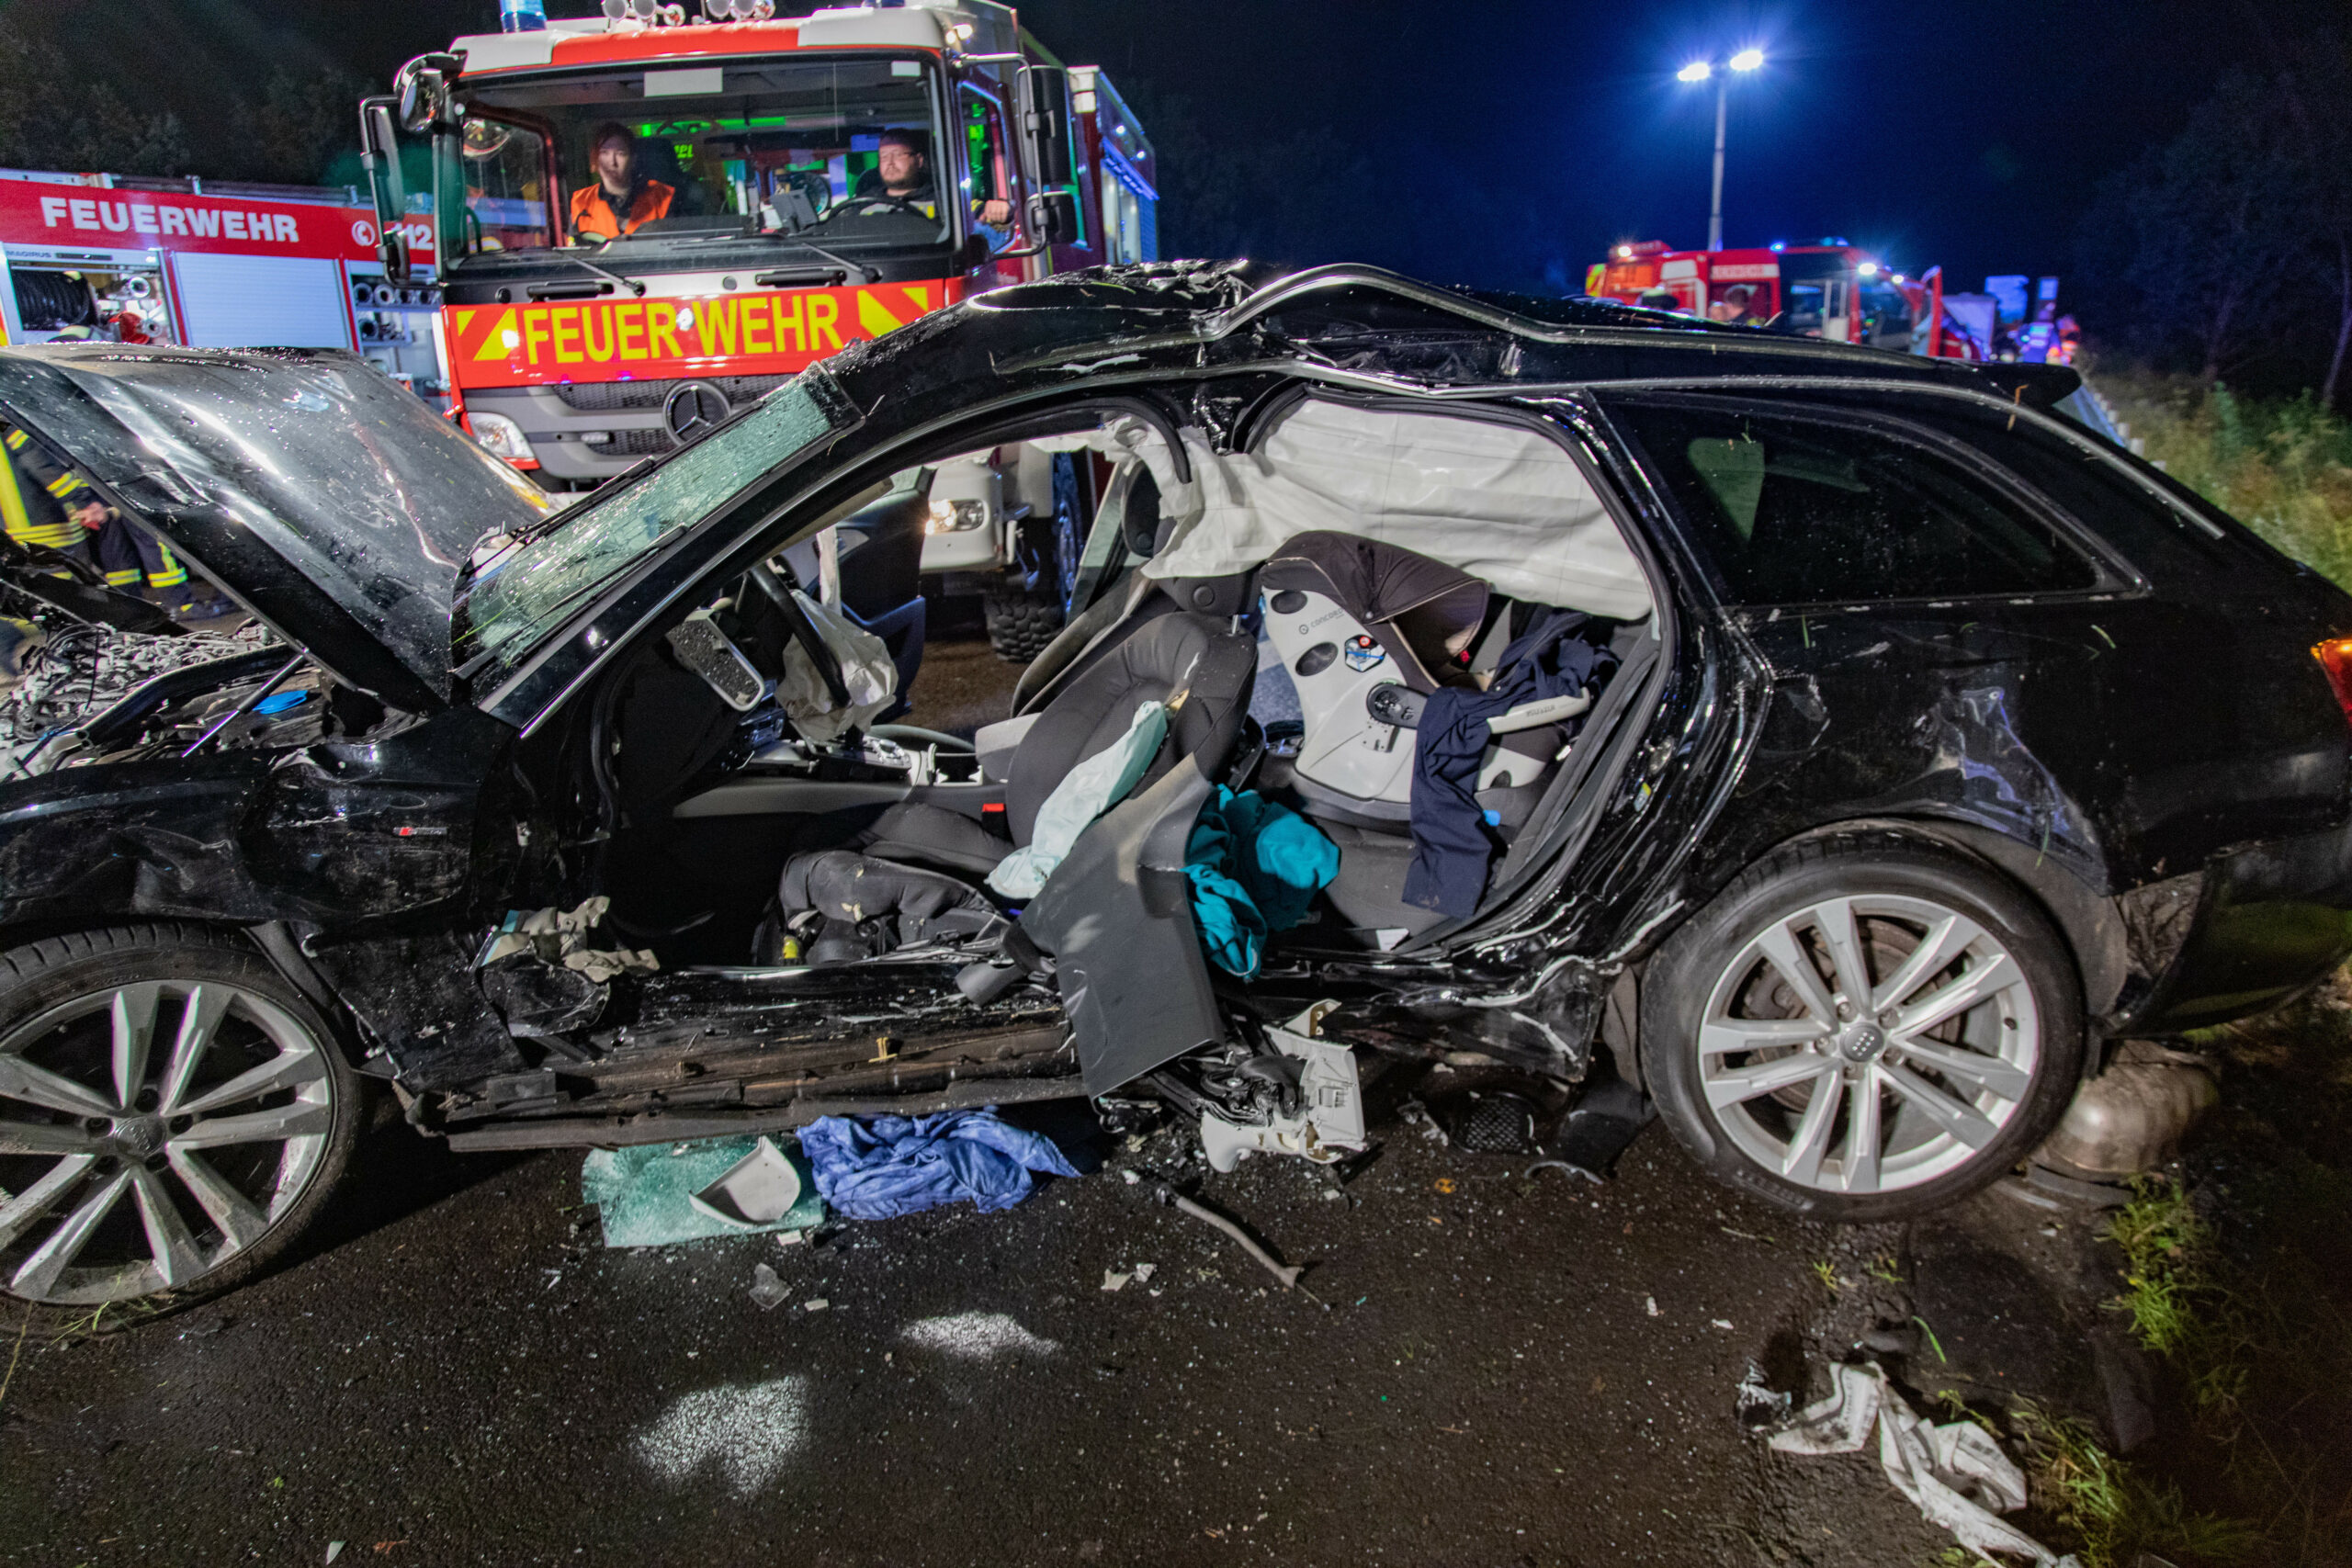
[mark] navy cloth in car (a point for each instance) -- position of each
(1451, 845)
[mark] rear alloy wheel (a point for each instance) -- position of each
(172, 1113)
(1863, 1031)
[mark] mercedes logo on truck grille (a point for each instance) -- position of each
(693, 410)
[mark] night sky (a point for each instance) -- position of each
(1504, 144)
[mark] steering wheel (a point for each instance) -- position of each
(869, 202)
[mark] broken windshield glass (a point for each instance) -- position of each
(523, 587)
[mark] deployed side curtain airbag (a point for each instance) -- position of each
(1504, 502)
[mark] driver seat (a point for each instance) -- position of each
(1203, 670)
(1196, 656)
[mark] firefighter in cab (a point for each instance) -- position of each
(622, 199)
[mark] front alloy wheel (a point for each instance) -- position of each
(171, 1112)
(1872, 1035)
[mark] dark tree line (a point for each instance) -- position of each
(59, 113)
(2228, 250)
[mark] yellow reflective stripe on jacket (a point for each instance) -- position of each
(12, 500)
(172, 573)
(16, 440)
(59, 535)
(123, 579)
(66, 484)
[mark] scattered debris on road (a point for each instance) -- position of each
(657, 1195)
(767, 1291)
(877, 1168)
(1955, 1474)
(1287, 1273)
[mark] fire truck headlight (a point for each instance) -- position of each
(956, 516)
(1867, 269)
(501, 435)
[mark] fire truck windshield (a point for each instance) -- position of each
(844, 154)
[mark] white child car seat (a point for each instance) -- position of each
(1367, 630)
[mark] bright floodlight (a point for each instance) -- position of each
(1697, 70)
(1747, 59)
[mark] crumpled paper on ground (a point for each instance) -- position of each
(1955, 1475)
(561, 936)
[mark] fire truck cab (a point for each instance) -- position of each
(644, 221)
(1832, 290)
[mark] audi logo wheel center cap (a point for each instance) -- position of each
(694, 410)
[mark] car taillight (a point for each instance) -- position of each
(2334, 655)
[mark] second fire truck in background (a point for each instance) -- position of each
(1832, 290)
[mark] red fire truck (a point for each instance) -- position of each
(1831, 290)
(210, 265)
(645, 218)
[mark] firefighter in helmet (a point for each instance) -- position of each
(622, 199)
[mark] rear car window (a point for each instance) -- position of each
(1800, 511)
(2096, 493)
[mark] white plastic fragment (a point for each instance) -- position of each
(1113, 1280)
(767, 1291)
(818, 1304)
(1759, 1405)
(334, 1550)
(1650, 1304)
(1955, 1475)
(1720, 1322)
(1130, 1177)
(1144, 1271)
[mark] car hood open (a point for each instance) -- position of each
(327, 498)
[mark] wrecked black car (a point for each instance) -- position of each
(1837, 750)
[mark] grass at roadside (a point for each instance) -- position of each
(2237, 1277)
(2118, 1510)
(2283, 465)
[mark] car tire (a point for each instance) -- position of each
(1970, 1045)
(1021, 621)
(174, 1115)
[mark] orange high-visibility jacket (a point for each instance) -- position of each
(593, 214)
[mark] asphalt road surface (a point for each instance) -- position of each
(1492, 1367)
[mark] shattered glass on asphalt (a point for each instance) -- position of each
(522, 592)
(338, 471)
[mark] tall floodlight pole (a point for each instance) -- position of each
(1716, 204)
(1746, 59)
